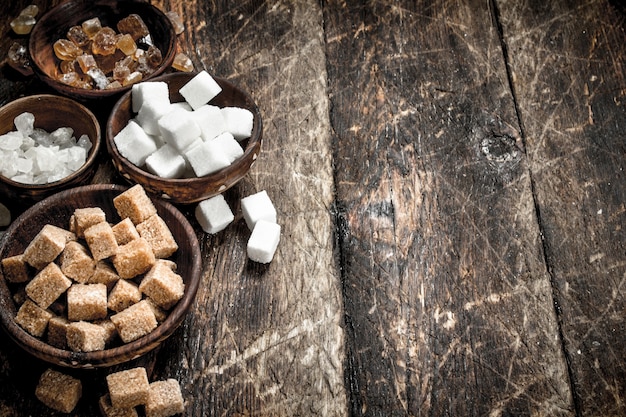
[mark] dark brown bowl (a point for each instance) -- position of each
(57, 210)
(55, 23)
(51, 112)
(188, 190)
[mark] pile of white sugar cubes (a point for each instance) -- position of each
(194, 138)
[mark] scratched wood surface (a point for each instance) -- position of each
(449, 179)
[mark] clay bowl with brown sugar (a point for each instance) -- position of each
(56, 22)
(57, 210)
(51, 112)
(187, 190)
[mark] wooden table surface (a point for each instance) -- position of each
(449, 178)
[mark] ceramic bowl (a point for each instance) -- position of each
(51, 112)
(57, 210)
(54, 25)
(187, 190)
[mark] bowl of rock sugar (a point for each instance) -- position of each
(90, 49)
(184, 137)
(48, 143)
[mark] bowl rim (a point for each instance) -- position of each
(91, 156)
(118, 354)
(226, 172)
(168, 56)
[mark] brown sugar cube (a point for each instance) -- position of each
(158, 235)
(135, 204)
(47, 245)
(123, 295)
(159, 313)
(84, 218)
(133, 258)
(59, 391)
(86, 302)
(83, 336)
(104, 274)
(33, 318)
(125, 231)
(109, 329)
(134, 322)
(164, 399)
(47, 285)
(57, 332)
(15, 269)
(76, 262)
(128, 388)
(101, 241)
(164, 286)
(107, 409)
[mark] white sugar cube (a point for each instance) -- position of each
(166, 162)
(200, 90)
(263, 241)
(206, 158)
(229, 145)
(134, 144)
(239, 121)
(149, 91)
(179, 129)
(257, 207)
(150, 113)
(210, 120)
(214, 214)
(183, 105)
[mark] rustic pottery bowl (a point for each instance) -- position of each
(187, 190)
(51, 112)
(54, 25)
(57, 210)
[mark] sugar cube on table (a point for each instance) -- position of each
(179, 129)
(207, 158)
(229, 145)
(211, 121)
(166, 162)
(149, 92)
(134, 144)
(263, 241)
(239, 121)
(128, 388)
(200, 90)
(214, 214)
(59, 391)
(164, 399)
(256, 207)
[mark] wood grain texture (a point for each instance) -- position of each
(568, 63)
(447, 299)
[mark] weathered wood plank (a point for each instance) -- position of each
(568, 62)
(448, 302)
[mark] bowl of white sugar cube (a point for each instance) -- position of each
(184, 137)
(48, 143)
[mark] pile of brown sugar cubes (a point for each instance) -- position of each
(128, 390)
(97, 283)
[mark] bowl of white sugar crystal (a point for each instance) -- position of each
(184, 137)
(48, 143)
